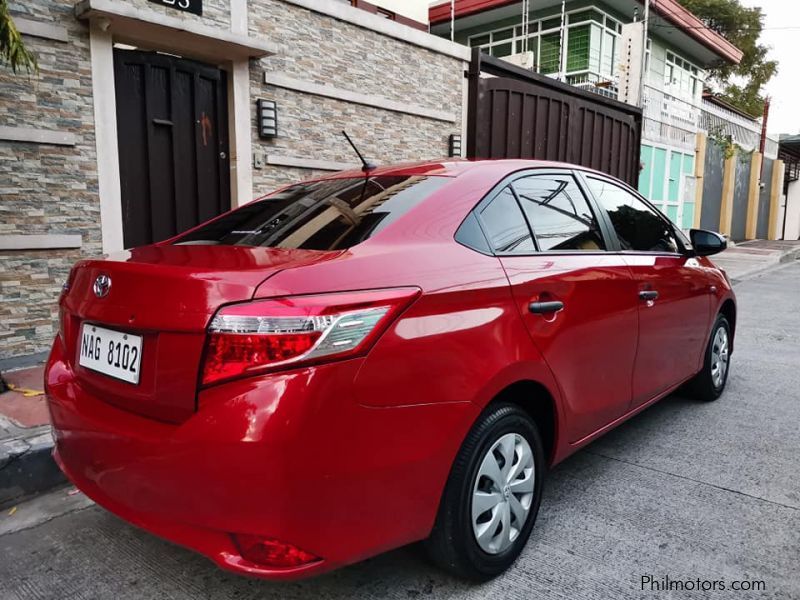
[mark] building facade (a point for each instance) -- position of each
(597, 45)
(147, 117)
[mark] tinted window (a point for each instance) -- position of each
(505, 226)
(558, 213)
(637, 225)
(321, 215)
(470, 235)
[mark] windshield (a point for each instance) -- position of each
(333, 214)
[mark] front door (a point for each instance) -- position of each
(576, 300)
(172, 128)
(674, 295)
(672, 326)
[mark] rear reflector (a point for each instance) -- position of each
(272, 553)
(260, 336)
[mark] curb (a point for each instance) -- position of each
(783, 260)
(27, 466)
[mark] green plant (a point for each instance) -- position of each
(743, 84)
(12, 51)
(718, 136)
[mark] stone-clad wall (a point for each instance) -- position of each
(216, 13)
(323, 50)
(45, 189)
(49, 189)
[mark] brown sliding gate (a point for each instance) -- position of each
(515, 113)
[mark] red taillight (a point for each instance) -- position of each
(245, 339)
(62, 313)
(272, 553)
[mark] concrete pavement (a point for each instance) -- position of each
(685, 490)
(26, 465)
(747, 259)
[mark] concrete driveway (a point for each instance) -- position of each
(686, 491)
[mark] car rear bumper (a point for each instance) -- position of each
(216, 545)
(289, 456)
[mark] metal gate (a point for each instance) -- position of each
(741, 195)
(765, 195)
(172, 127)
(515, 113)
(712, 187)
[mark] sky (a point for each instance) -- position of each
(782, 33)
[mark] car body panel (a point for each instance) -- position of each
(243, 463)
(672, 328)
(167, 295)
(600, 311)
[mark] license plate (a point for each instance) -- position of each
(112, 353)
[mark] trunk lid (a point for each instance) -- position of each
(167, 295)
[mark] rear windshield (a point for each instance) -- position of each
(333, 214)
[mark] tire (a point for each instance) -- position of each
(454, 544)
(708, 385)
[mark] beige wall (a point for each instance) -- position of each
(413, 9)
(793, 214)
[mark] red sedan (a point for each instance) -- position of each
(376, 358)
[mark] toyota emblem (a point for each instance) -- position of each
(101, 286)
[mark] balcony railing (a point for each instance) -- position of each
(718, 120)
(743, 131)
(669, 119)
(592, 82)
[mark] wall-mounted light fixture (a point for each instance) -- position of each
(455, 145)
(267, 119)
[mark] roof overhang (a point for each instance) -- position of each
(141, 26)
(789, 148)
(722, 103)
(673, 22)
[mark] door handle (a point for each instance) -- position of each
(648, 295)
(543, 308)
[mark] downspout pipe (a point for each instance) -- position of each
(645, 33)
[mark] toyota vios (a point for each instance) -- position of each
(376, 358)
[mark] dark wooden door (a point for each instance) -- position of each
(172, 127)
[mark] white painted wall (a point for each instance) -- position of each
(793, 213)
(413, 9)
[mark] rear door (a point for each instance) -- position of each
(674, 293)
(576, 300)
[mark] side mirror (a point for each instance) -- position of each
(706, 243)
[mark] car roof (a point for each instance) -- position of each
(453, 167)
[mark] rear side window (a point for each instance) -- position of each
(333, 214)
(470, 235)
(638, 226)
(558, 213)
(505, 225)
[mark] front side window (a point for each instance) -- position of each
(331, 214)
(558, 213)
(505, 226)
(638, 226)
